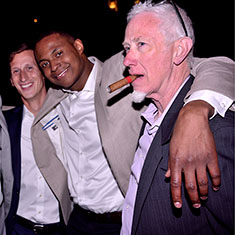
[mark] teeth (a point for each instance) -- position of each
(61, 74)
(27, 85)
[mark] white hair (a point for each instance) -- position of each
(170, 26)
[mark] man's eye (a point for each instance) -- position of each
(59, 53)
(140, 44)
(15, 71)
(44, 65)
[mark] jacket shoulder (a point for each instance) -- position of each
(10, 114)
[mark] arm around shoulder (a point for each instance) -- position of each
(215, 74)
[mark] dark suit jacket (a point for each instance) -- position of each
(14, 119)
(154, 212)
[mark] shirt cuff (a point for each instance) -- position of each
(221, 103)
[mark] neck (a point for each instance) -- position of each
(79, 85)
(35, 104)
(169, 88)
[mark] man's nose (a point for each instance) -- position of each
(130, 59)
(23, 76)
(54, 65)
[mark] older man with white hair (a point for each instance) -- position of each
(158, 44)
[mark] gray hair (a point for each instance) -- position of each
(171, 26)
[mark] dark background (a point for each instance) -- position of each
(102, 29)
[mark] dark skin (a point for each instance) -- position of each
(64, 63)
(194, 161)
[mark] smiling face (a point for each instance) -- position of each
(62, 61)
(148, 54)
(26, 76)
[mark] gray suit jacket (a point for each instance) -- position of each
(6, 175)
(154, 212)
(118, 120)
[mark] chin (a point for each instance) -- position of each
(138, 96)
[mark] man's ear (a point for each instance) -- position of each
(182, 48)
(12, 83)
(79, 45)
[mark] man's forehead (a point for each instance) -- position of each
(143, 22)
(26, 55)
(145, 18)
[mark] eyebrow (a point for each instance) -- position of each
(134, 40)
(50, 53)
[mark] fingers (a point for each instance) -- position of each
(196, 185)
(191, 187)
(168, 173)
(176, 181)
(214, 171)
(202, 181)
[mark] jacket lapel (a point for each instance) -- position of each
(14, 122)
(53, 98)
(154, 155)
(46, 156)
(148, 171)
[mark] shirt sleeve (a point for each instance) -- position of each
(221, 103)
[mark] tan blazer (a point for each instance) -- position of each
(46, 155)
(118, 120)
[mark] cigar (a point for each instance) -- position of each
(120, 83)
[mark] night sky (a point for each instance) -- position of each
(102, 30)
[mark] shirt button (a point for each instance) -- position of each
(223, 105)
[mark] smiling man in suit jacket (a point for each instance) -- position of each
(158, 51)
(37, 205)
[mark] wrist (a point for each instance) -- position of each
(199, 107)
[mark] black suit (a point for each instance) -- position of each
(154, 212)
(14, 120)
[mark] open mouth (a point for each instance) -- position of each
(27, 85)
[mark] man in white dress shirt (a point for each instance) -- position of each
(34, 207)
